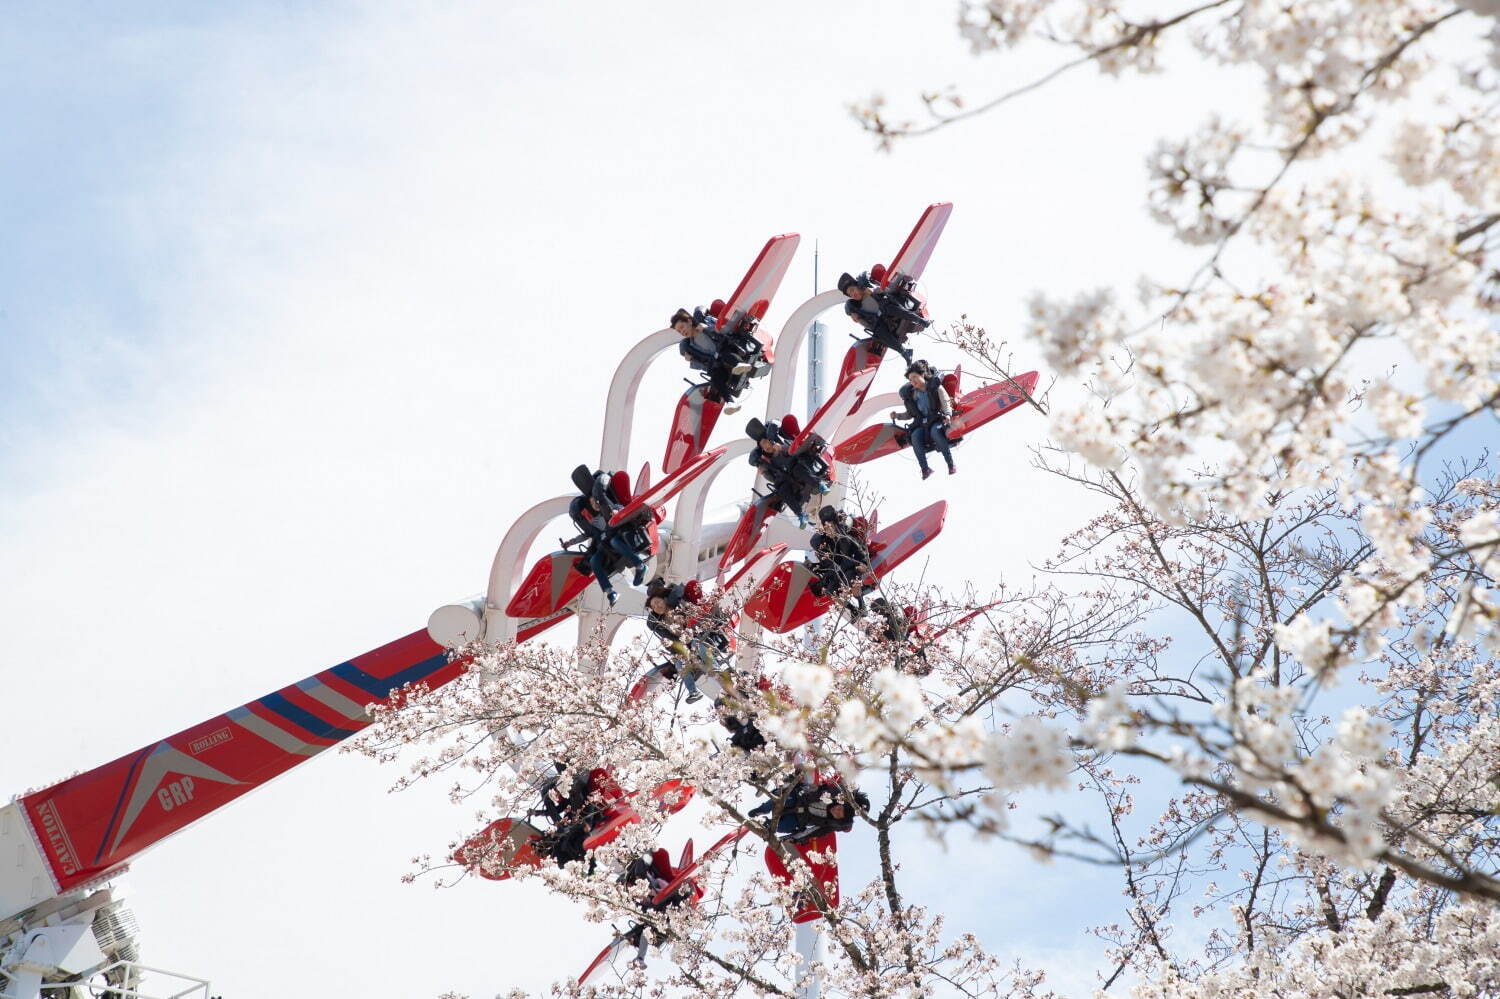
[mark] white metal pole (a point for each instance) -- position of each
(809, 950)
(809, 937)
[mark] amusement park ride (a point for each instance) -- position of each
(62, 929)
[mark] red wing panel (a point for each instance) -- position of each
(549, 587)
(912, 260)
(846, 400)
(871, 443)
(760, 282)
(94, 823)
(605, 957)
(673, 795)
(861, 355)
(749, 575)
(618, 819)
(729, 839)
(785, 601)
(692, 423)
(671, 485)
(514, 845)
(642, 687)
(746, 533)
(906, 537)
(974, 410)
(971, 615)
(825, 873)
(991, 402)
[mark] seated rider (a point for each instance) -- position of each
(707, 350)
(889, 314)
(811, 808)
(743, 733)
(843, 556)
(670, 616)
(573, 816)
(591, 513)
(736, 716)
(930, 410)
(656, 873)
(793, 477)
(897, 629)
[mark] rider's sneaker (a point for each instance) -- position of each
(731, 409)
(824, 486)
(640, 575)
(694, 697)
(802, 520)
(952, 468)
(741, 368)
(926, 474)
(611, 596)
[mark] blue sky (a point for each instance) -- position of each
(298, 309)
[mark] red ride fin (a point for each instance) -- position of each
(605, 956)
(851, 392)
(670, 486)
(912, 260)
(761, 280)
(687, 871)
(549, 587)
(692, 423)
(513, 842)
(825, 873)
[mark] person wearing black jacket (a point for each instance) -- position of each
(705, 349)
(930, 410)
(687, 630)
(573, 817)
(793, 477)
(591, 512)
(811, 808)
(887, 314)
(843, 557)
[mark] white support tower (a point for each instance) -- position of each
(809, 936)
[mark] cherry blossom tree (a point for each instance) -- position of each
(1262, 681)
(1291, 443)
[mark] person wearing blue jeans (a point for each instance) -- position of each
(591, 514)
(617, 545)
(693, 637)
(929, 409)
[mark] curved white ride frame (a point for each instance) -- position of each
(509, 566)
(684, 553)
(619, 407)
(789, 348)
(874, 405)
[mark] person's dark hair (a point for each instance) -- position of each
(657, 588)
(829, 514)
(845, 280)
(679, 316)
(918, 368)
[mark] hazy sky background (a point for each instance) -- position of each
(300, 307)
